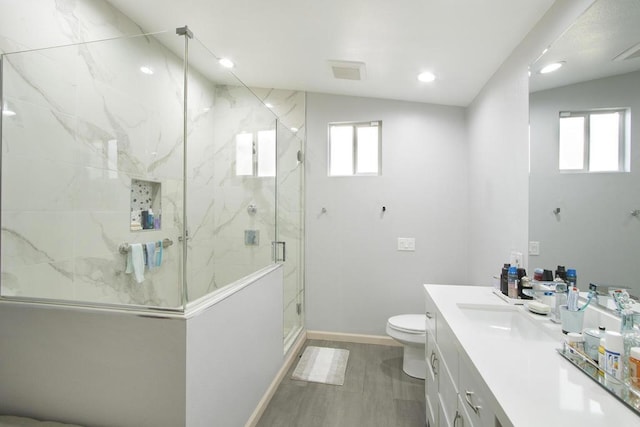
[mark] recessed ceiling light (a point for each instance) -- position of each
(426, 77)
(550, 68)
(146, 70)
(268, 105)
(294, 129)
(226, 62)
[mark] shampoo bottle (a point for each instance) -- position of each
(512, 282)
(150, 220)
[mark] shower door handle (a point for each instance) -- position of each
(275, 251)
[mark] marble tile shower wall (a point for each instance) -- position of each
(83, 131)
(87, 122)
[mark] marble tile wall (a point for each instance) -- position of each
(88, 122)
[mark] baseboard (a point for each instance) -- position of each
(357, 338)
(264, 402)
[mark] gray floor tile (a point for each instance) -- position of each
(376, 393)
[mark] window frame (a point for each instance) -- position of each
(255, 154)
(354, 146)
(623, 138)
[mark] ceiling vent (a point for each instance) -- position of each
(348, 70)
(631, 53)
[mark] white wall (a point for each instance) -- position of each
(498, 150)
(120, 369)
(91, 368)
(234, 351)
(603, 253)
(355, 277)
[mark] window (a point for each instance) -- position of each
(258, 159)
(594, 141)
(354, 148)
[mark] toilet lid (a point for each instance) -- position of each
(409, 322)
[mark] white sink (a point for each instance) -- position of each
(508, 321)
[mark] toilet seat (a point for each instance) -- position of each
(409, 323)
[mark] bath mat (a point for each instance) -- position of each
(322, 365)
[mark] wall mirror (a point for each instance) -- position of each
(582, 215)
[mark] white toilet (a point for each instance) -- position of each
(410, 331)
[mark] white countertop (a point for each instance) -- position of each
(533, 384)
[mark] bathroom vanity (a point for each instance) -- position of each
(491, 363)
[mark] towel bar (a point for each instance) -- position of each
(125, 247)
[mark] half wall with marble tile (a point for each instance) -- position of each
(92, 121)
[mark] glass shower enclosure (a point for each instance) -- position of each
(139, 174)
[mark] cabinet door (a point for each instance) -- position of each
(447, 394)
(431, 382)
(474, 395)
(448, 345)
(444, 419)
(463, 419)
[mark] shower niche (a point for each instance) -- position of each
(146, 210)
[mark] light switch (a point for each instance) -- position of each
(406, 244)
(534, 248)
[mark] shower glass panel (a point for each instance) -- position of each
(290, 226)
(80, 123)
(231, 206)
(94, 171)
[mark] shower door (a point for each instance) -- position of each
(290, 228)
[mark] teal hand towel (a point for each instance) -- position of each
(158, 258)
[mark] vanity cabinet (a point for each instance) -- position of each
(454, 393)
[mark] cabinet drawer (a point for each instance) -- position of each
(475, 396)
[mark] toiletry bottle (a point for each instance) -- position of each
(522, 273)
(537, 274)
(634, 368)
(156, 220)
(571, 278)
(144, 219)
(601, 356)
(561, 273)
(613, 349)
(512, 282)
(150, 220)
(630, 336)
(504, 287)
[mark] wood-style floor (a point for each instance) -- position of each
(375, 393)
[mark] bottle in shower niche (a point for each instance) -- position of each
(512, 282)
(150, 220)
